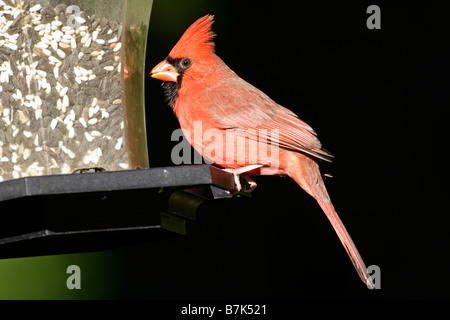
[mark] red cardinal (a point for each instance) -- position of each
(211, 101)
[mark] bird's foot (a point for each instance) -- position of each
(247, 184)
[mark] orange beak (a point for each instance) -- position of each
(164, 71)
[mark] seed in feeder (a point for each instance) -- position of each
(88, 42)
(41, 45)
(83, 122)
(84, 38)
(65, 103)
(12, 46)
(57, 35)
(56, 23)
(69, 152)
(80, 20)
(61, 53)
(42, 74)
(4, 78)
(53, 124)
(38, 114)
(39, 27)
(54, 45)
(45, 40)
(77, 71)
(38, 100)
(46, 52)
(63, 92)
(59, 104)
(35, 8)
(26, 153)
(73, 43)
(56, 71)
(118, 144)
(109, 68)
(67, 119)
(88, 137)
(22, 117)
(64, 44)
(18, 94)
(48, 28)
(53, 59)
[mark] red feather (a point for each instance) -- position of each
(196, 41)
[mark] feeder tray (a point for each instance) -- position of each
(95, 211)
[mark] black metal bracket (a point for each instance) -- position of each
(100, 210)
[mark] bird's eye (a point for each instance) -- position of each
(185, 63)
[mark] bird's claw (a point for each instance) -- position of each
(243, 182)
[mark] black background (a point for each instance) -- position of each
(377, 100)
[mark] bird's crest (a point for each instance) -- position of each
(196, 40)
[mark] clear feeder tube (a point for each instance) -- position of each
(72, 86)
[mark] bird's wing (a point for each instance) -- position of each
(253, 114)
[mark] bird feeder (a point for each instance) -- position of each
(72, 101)
(72, 86)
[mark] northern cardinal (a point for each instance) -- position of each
(208, 97)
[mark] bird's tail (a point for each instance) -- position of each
(308, 176)
(346, 240)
